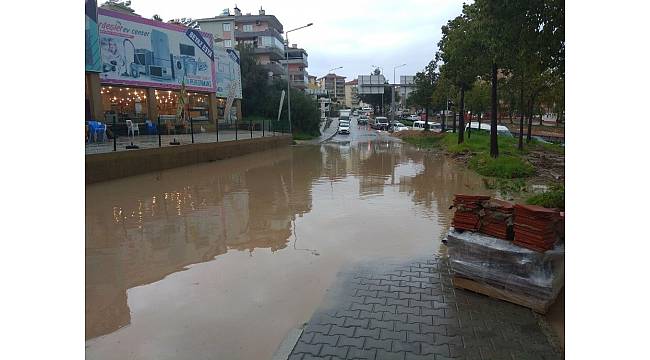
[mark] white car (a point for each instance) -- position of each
(414, 117)
(433, 126)
(398, 127)
(344, 129)
(501, 130)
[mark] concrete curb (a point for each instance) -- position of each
(285, 349)
(330, 137)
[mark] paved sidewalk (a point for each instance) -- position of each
(411, 311)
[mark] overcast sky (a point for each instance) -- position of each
(353, 34)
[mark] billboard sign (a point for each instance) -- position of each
(371, 84)
(142, 52)
(228, 71)
(93, 58)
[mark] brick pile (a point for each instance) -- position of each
(536, 228)
(497, 219)
(469, 209)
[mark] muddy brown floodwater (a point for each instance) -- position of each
(220, 260)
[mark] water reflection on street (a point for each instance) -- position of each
(221, 260)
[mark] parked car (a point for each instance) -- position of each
(501, 130)
(398, 126)
(433, 126)
(344, 128)
(413, 118)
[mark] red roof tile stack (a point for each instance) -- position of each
(536, 228)
(468, 211)
(497, 220)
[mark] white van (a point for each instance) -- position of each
(433, 126)
(501, 130)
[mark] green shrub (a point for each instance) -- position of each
(554, 198)
(505, 166)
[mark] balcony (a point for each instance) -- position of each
(276, 69)
(243, 35)
(274, 53)
(297, 60)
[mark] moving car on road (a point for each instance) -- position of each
(380, 123)
(344, 128)
(363, 120)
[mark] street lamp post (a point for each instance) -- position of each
(286, 56)
(328, 71)
(392, 102)
(382, 89)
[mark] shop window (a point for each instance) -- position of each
(125, 102)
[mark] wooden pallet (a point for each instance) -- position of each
(537, 305)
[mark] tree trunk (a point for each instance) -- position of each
(479, 121)
(443, 121)
(530, 119)
(510, 114)
(520, 145)
(426, 119)
(453, 121)
(494, 145)
(469, 128)
(461, 117)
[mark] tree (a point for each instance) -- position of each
(157, 17)
(441, 96)
(478, 100)
(461, 51)
(424, 85)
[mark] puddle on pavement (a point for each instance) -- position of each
(221, 260)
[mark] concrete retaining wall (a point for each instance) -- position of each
(114, 165)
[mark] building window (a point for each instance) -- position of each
(227, 27)
(248, 28)
(227, 43)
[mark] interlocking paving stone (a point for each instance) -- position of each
(379, 313)
(325, 339)
(387, 355)
(356, 322)
(366, 307)
(354, 353)
(396, 317)
(338, 351)
(388, 325)
(305, 348)
(345, 331)
(369, 333)
(392, 335)
(405, 346)
(377, 344)
(356, 342)
(371, 315)
(318, 328)
(295, 357)
(404, 326)
(401, 302)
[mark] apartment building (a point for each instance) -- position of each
(262, 32)
(297, 66)
(337, 91)
(352, 93)
(406, 87)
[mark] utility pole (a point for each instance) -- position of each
(392, 103)
(286, 56)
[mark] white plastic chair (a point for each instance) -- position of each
(132, 128)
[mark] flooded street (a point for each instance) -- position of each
(220, 260)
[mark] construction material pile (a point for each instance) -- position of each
(528, 271)
(536, 228)
(497, 219)
(469, 210)
(502, 264)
